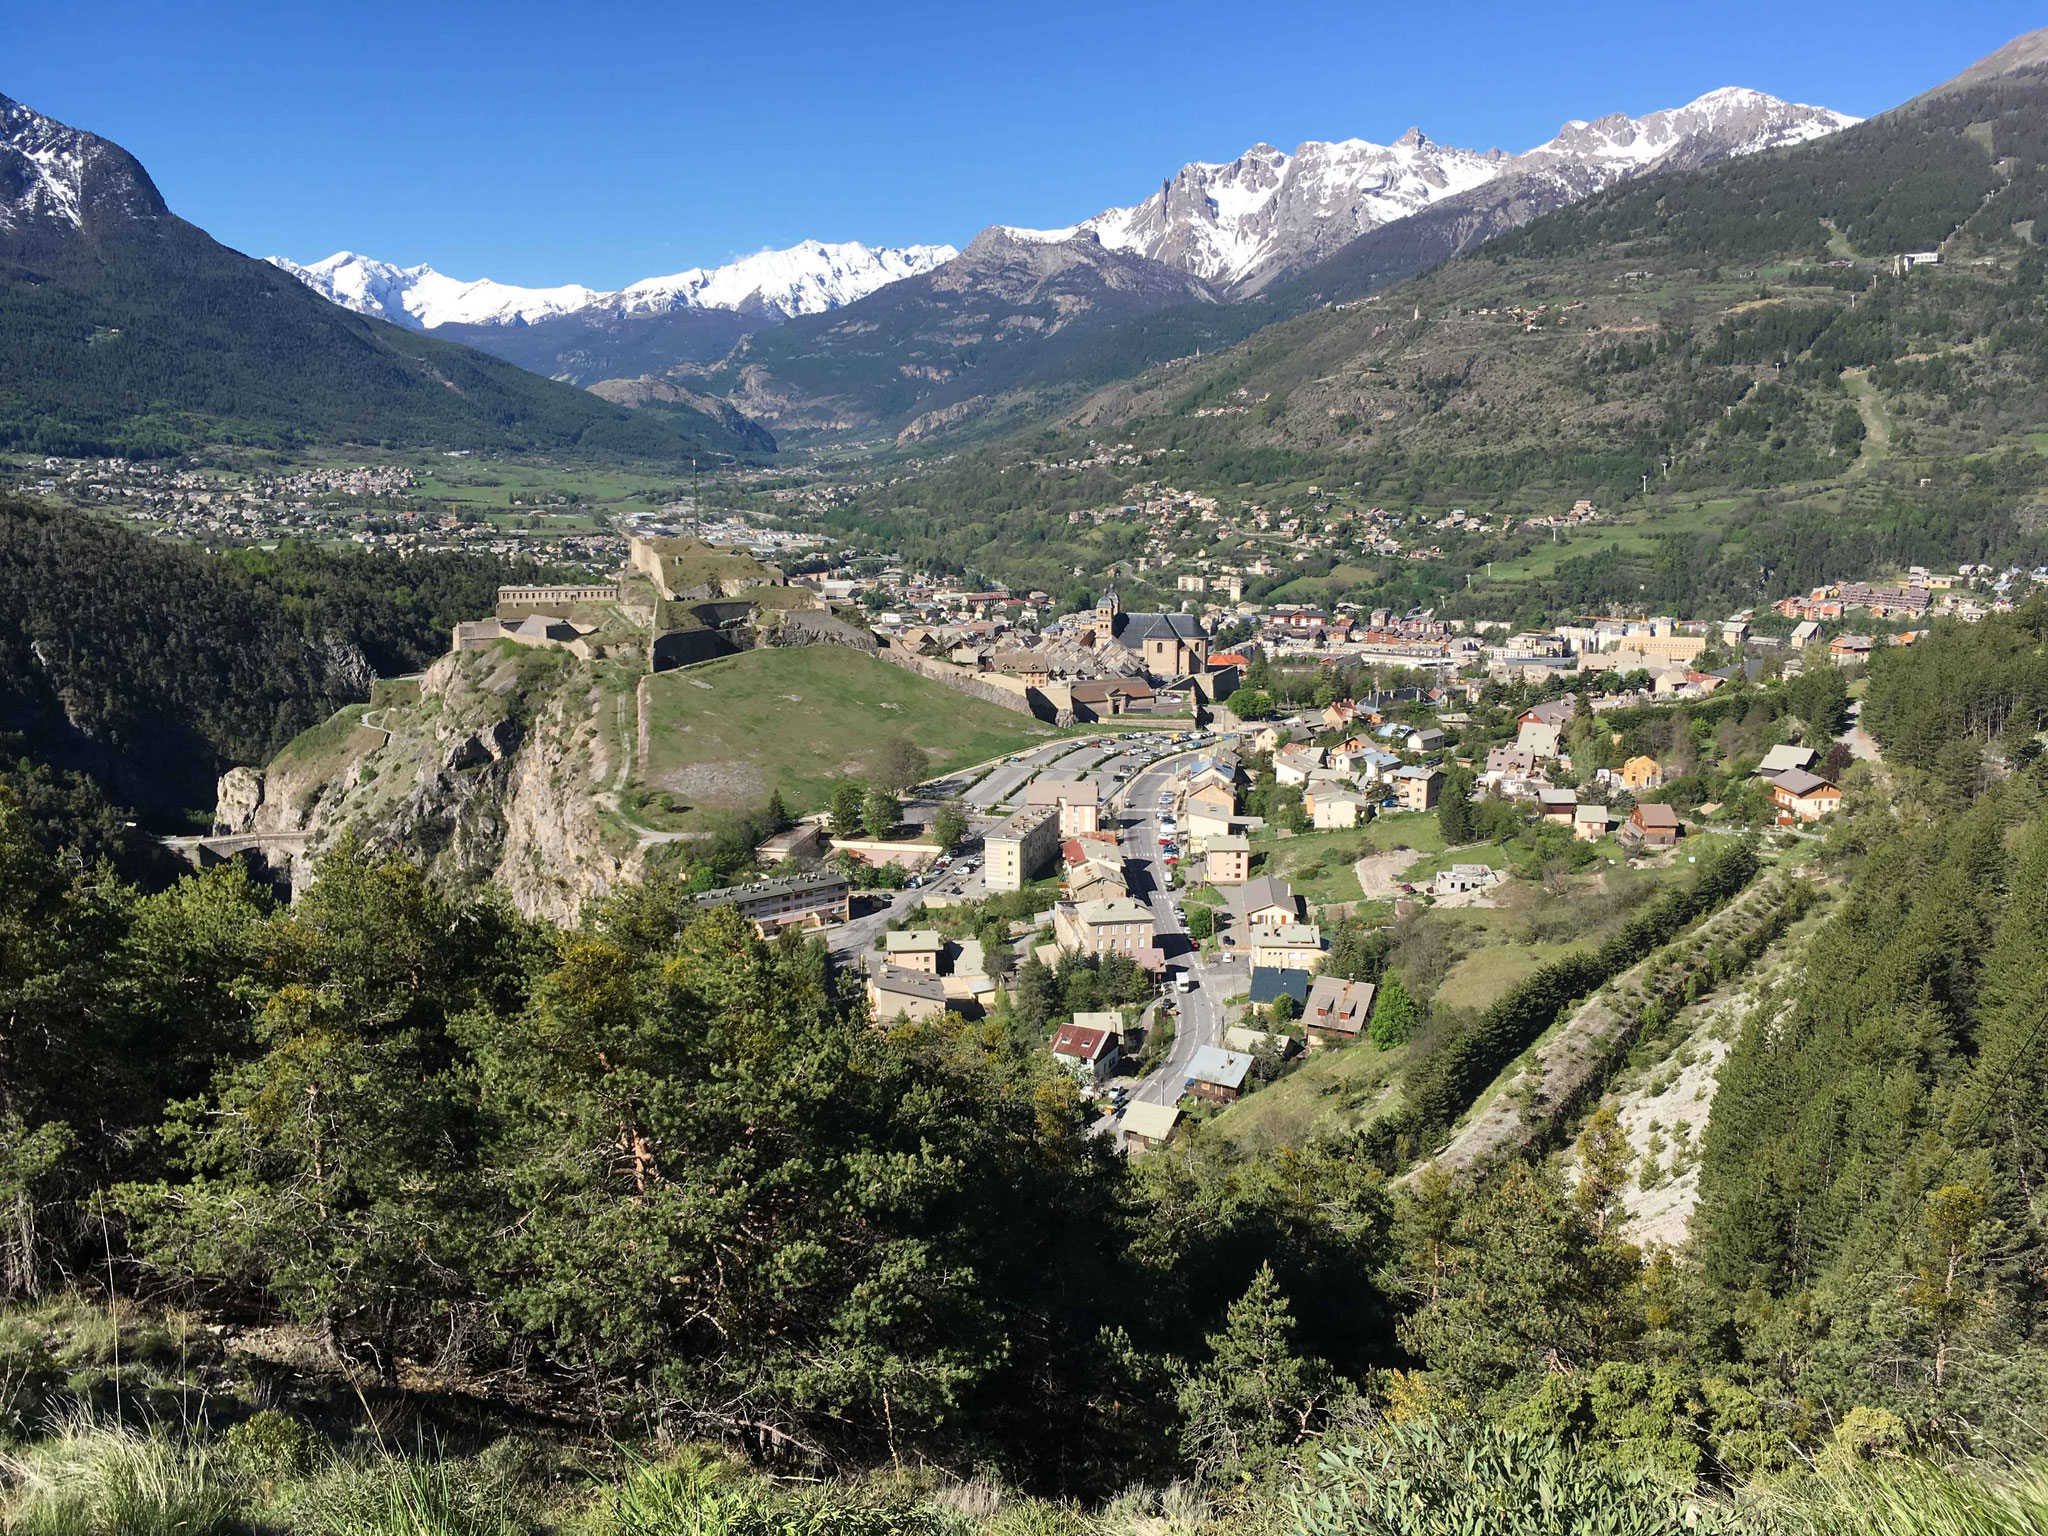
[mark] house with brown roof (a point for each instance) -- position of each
(1803, 796)
(1337, 1010)
(1268, 902)
(1654, 826)
(1089, 1051)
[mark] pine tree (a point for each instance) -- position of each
(1454, 809)
(1394, 1013)
(847, 796)
(1604, 1159)
(1255, 1399)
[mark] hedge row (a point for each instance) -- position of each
(1441, 1087)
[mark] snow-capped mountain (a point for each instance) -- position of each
(1719, 125)
(422, 298)
(806, 279)
(63, 179)
(1240, 224)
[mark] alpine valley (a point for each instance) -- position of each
(933, 353)
(1359, 849)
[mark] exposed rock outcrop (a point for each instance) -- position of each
(494, 776)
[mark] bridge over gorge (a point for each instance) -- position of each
(278, 857)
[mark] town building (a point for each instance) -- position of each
(1172, 645)
(1118, 925)
(1078, 801)
(1146, 1126)
(1416, 789)
(894, 992)
(1654, 826)
(1089, 1051)
(801, 900)
(1591, 821)
(1641, 773)
(914, 949)
(1229, 859)
(1217, 1076)
(1296, 946)
(1269, 985)
(1269, 902)
(1785, 757)
(1330, 809)
(1803, 796)
(1463, 879)
(1019, 847)
(1336, 1011)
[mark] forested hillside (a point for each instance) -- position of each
(151, 667)
(130, 332)
(1732, 358)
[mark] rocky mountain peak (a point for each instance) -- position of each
(61, 178)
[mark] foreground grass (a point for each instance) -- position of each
(142, 1425)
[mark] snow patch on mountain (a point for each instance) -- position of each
(806, 279)
(49, 171)
(1268, 210)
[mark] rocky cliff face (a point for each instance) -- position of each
(497, 773)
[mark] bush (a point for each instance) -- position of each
(272, 1445)
(1432, 1477)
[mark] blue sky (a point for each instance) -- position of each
(601, 142)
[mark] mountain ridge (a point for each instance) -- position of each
(126, 330)
(1268, 213)
(805, 279)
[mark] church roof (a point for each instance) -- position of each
(1137, 628)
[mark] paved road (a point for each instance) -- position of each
(849, 941)
(1200, 1021)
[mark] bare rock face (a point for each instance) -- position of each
(490, 779)
(238, 799)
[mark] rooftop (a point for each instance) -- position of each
(1154, 1122)
(1226, 1069)
(821, 884)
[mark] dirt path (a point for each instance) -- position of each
(626, 743)
(1877, 432)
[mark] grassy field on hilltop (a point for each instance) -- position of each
(722, 736)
